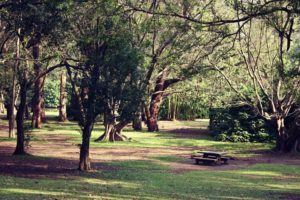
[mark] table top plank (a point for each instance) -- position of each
(212, 153)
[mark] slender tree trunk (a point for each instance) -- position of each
(169, 109)
(38, 90)
(7, 107)
(174, 108)
(137, 122)
(63, 98)
(12, 116)
(27, 112)
(84, 159)
(20, 148)
(2, 107)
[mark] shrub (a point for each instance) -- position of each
(238, 124)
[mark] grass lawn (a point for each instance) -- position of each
(146, 180)
(151, 178)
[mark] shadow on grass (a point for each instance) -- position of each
(145, 180)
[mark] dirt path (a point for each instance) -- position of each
(62, 157)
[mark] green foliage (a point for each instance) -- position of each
(110, 80)
(238, 124)
(52, 93)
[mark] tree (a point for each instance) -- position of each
(171, 47)
(106, 65)
(28, 29)
(271, 67)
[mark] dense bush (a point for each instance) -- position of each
(52, 92)
(238, 124)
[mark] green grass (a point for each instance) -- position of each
(148, 180)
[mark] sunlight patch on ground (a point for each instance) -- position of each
(118, 184)
(31, 191)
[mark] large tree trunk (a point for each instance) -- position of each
(288, 140)
(113, 132)
(84, 159)
(156, 99)
(38, 90)
(20, 148)
(63, 98)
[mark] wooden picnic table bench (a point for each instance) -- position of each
(210, 157)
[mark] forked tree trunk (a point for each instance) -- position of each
(84, 159)
(63, 98)
(20, 148)
(113, 132)
(38, 90)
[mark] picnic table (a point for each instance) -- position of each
(210, 157)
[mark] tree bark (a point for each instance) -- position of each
(38, 90)
(84, 159)
(20, 148)
(156, 99)
(63, 98)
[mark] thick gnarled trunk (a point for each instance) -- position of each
(113, 132)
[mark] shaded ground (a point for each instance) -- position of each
(57, 157)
